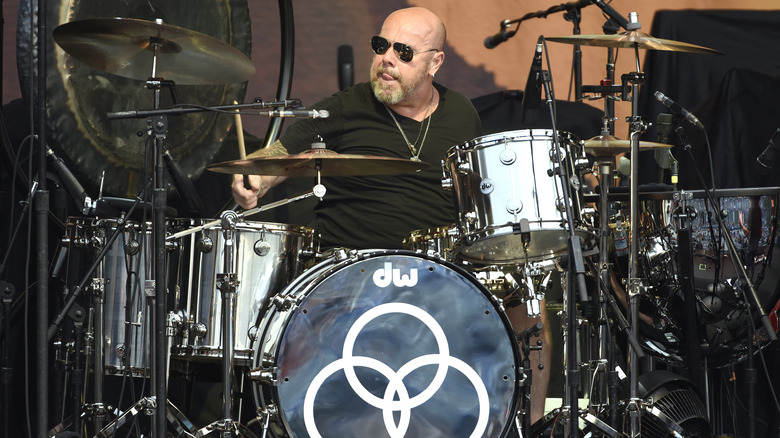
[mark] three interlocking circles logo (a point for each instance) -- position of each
(396, 398)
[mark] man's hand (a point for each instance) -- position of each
(247, 198)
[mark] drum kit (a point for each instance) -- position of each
(325, 341)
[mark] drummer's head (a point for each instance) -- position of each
(400, 76)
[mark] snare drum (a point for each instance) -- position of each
(390, 341)
(267, 257)
(502, 178)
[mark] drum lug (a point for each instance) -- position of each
(205, 244)
(199, 330)
(175, 323)
(264, 375)
(446, 179)
(262, 248)
(470, 217)
(132, 247)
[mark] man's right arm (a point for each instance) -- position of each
(259, 184)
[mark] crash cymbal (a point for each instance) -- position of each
(603, 146)
(125, 47)
(330, 164)
(632, 39)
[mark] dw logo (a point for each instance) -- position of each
(384, 276)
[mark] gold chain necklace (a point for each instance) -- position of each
(412, 147)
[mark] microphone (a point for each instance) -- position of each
(532, 96)
(72, 185)
(492, 41)
(312, 114)
(183, 184)
(675, 108)
(766, 161)
(624, 166)
(664, 128)
(346, 62)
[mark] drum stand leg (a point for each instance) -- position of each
(147, 405)
(525, 394)
(227, 283)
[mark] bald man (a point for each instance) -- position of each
(400, 112)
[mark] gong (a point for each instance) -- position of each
(79, 97)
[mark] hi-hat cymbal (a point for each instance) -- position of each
(125, 47)
(632, 39)
(328, 162)
(603, 146)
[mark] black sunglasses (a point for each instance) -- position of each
(405, 53)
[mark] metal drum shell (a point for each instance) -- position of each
(267, 257)
(501, 178)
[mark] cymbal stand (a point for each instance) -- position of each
(605, 274)
(227, 283)
(575, 283)
(159, 125)
(635, 285)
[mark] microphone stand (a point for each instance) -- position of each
(575, 275)
(42, 245)
(159, 201)
(634, 285)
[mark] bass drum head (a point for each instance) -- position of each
(392, 344)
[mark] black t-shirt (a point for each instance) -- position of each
(380, 211)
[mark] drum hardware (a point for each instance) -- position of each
(146, 406)
(634, 39)
(107, 44)
(526, 378)
(97, 288)
(574, 286)
(747, 290)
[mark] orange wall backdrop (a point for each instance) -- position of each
(469, 66)
(321, 26)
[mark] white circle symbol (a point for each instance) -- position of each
(396, 397)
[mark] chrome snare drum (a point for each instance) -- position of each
(500, 179)
(267, 257)
(390, 341)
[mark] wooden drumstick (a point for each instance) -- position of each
(241, 144)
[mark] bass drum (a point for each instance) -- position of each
(386, 343)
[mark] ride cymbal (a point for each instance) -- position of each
(603, 146)
(329, 163)
(632, 39)
(125, 47)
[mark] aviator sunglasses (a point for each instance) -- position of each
(405, 53)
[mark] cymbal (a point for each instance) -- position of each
(125, 47)
(330, 163)
(632, 39)
(603, 146)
